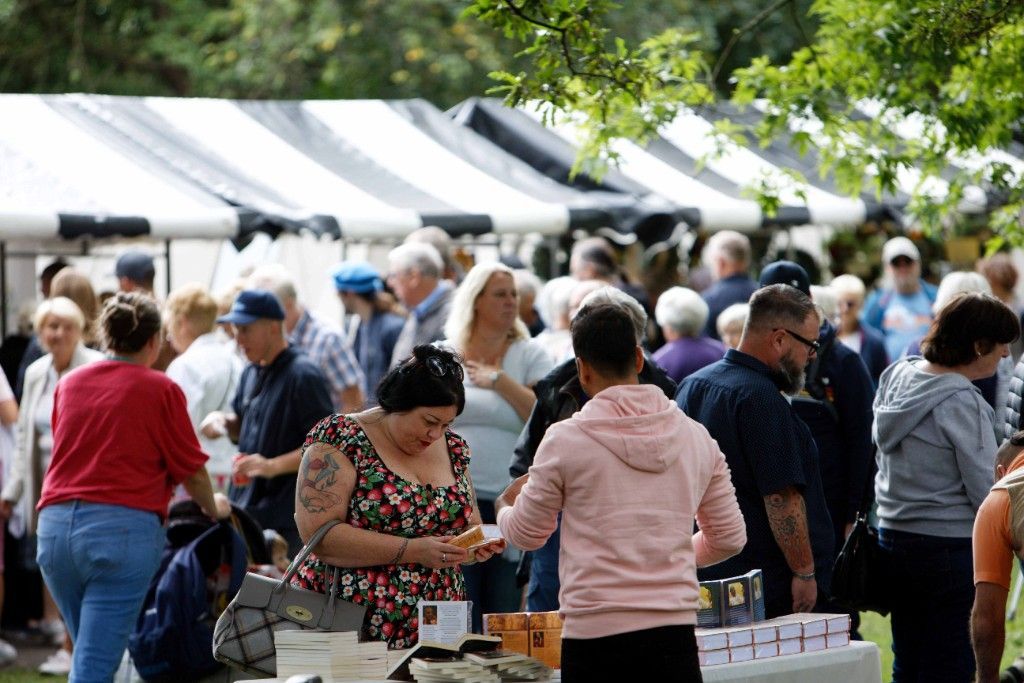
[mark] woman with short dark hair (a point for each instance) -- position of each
(121, 441)
(936, 448)
(399, 478)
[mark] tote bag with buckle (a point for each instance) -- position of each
(244, 634)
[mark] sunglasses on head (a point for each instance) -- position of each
(438, 367)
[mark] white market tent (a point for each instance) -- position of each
(78, 170)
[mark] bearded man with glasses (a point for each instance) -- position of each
(743, 401)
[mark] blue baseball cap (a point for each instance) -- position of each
(252, 305)
(786, 273)
(357, 276)
(136, 265)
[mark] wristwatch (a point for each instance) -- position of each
(494, 377)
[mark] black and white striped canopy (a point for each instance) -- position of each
(101, 166)
(710, 187)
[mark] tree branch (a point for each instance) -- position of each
(566, 49)
(753, 23)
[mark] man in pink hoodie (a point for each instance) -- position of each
(630, 473)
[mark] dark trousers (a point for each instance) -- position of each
(491, 586)
(542, 592)
(932, 579)
(666, 653)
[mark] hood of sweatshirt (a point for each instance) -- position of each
(907, 395)
(636, 422)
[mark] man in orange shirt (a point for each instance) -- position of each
(998, 533)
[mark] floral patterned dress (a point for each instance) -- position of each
(386, 503)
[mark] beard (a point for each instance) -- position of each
(788, 376)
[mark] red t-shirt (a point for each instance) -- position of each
(121, 436)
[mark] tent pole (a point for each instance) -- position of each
(3, 289)
(167, 262)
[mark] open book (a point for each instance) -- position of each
(471, 642)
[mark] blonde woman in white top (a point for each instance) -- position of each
(207, 370)
(502, 364)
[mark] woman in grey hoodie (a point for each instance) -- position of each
(935, 459)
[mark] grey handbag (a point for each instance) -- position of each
(244, 634)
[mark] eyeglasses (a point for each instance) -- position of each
(812, 345)
(438, 367)
(901, 261)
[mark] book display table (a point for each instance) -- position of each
(858, 662)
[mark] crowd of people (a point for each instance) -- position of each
(597, 425)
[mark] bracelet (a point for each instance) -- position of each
(401, 551)
(804, 577)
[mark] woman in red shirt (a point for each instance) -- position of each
(122, 440)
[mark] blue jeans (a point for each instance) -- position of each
(932, 580)
(542, 591)
(98, 561)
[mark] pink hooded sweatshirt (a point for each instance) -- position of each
(629, 473)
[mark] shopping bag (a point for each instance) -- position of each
(859, 576)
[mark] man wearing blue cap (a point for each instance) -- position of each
(280, 396)
(375, 328)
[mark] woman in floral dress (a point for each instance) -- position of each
(400, 480)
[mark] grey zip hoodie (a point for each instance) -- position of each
(936, 450)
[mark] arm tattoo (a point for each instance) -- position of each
(787, 516)
(317, 475)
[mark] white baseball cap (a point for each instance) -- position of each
(900, 246)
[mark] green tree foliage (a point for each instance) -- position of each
(944, 78)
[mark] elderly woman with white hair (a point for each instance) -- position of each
(682, 315)
(59, 324)
(502, 365)
(868, 342)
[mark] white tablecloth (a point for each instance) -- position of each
(858, 662)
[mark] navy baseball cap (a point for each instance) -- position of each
(357, 276)
(786, 273)
(252, 305)
(135, 265)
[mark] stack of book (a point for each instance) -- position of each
(511, 666)
(440, 670)
(335, 656)
(786, 635)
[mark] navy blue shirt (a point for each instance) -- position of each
(735, 289)
(841, 426)
(768, 449)
(277, 404)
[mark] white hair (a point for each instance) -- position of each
(848, 284)
(732, 315)
(616, 297)
(58, 307)
(683, 310)
(275, 278)
(553, 300)
(958, 282)
(461, 317)
(422, 257)
(826, 300)
(526, 282)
